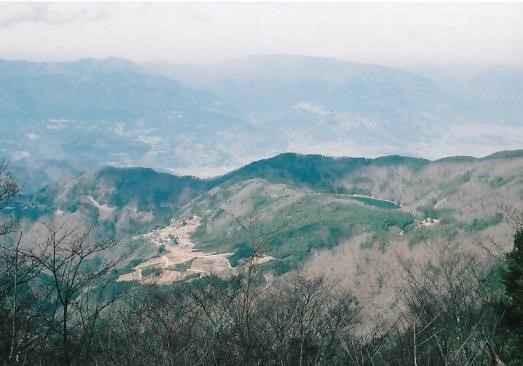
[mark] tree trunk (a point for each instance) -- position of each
(65, 341)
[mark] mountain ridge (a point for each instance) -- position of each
(311, 170)
(371, 207)
(96, 112)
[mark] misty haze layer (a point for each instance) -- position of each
(204, 120)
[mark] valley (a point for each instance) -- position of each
(360, 226)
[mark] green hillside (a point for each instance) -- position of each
(303, 220)
(312, 202)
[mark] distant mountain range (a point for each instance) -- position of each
(204, 120)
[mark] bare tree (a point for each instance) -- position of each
(259, 242)
(513, 216)
(450, 309)
(8, 190)
(66, 258)
(302, 320)
(15, 273)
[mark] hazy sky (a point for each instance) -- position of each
(208, 32)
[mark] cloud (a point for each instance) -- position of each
(15, 14)
(312, 108)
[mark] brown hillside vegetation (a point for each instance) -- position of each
(264, 271)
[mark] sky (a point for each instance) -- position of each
(388, 34)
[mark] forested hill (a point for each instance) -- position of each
(301, 223)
